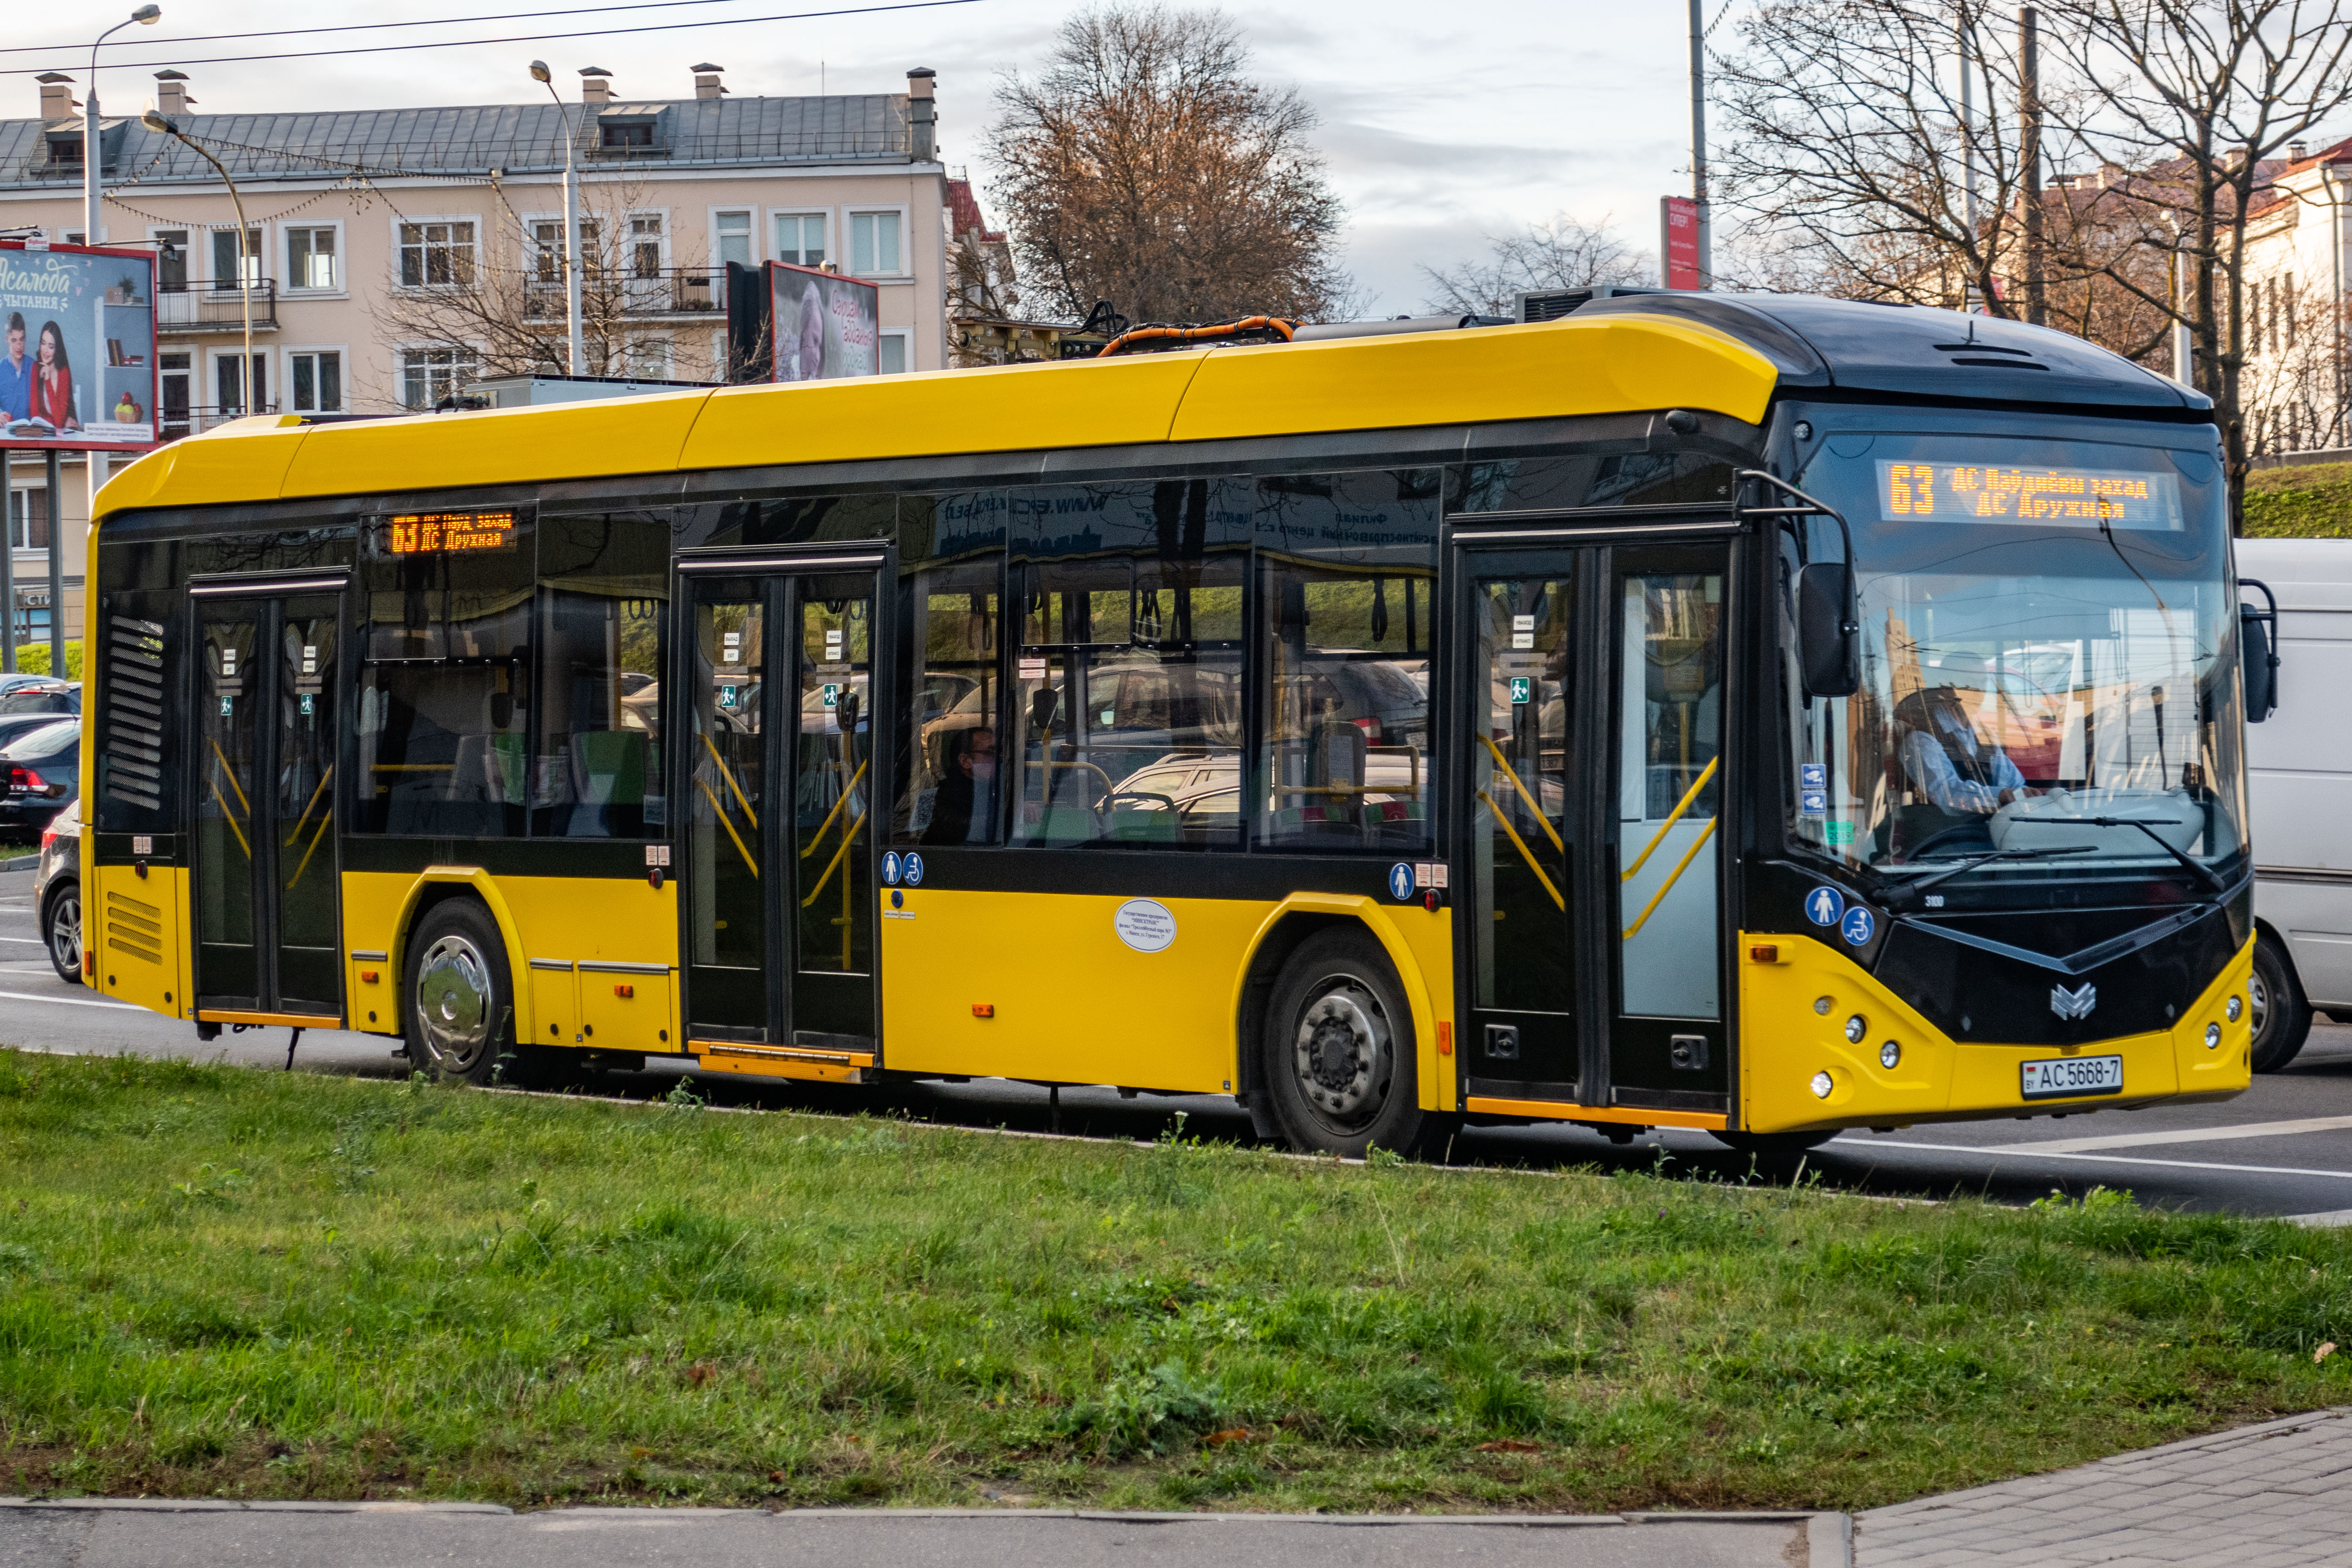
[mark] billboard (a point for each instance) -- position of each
(826, 326)
(1678, 241)
(77, 362)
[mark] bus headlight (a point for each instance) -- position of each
(1822, 1084)
(1856, 1028)
(2212, 1035)
(1889, 1054)
(2233, 1008)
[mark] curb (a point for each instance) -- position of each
(233, 1505)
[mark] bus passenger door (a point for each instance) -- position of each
(779, 770)
(1589, 810)
(266, 884)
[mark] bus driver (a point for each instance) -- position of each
(1945, 759)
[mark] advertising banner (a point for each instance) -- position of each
(826, 326)
(77, 362)
(1678, 241)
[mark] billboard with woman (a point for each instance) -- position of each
(77, 358)
(825, 325)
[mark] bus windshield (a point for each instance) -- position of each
(2049, 662)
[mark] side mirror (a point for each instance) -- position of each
(1827, 651)
(2258, 653)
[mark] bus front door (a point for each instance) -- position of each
(1591, 791)
(780, 785)
(267, 885)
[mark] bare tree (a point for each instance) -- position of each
(500, 303)
(2203, 92)
(1565, 253)
(1145, 167)
(2295, 390)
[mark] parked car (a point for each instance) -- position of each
(56, 891)
(42, 770)
(39, 694)
(17, 680)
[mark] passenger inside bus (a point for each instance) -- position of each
(965, 805)
(1944, 757)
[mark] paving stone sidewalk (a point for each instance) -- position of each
(2278, 1495)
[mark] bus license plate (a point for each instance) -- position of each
(2060, 1076)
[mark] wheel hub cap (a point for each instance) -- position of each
(1342, 1053)
(453, 1000)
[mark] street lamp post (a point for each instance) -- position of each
(578, 355)
(157, 122)
(93, 169)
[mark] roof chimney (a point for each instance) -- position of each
(172, 99)
(922, 116)
(57, 95)
(706, 80)
(595, 85)
(2296, 152)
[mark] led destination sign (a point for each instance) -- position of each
(448, 533)
(2063, 498)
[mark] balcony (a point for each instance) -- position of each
(658, 291)
(218, 307)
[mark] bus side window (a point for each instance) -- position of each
(604, 611)
(951, 793)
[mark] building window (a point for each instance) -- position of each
(66, 149)
(318, 378)
(171, 259)
(893, 348)
(640, 134)
(437, 255)
(734, 238)
(310, 258)
(428, 376)
(229, 384)
(547, 252)
(874, 244)
(647, 358)
(645, 246)
(225, 256)
(800, 238)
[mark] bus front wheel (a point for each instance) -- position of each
(1339, 1054)
(1773, 1149)
(2281, 1017)
(460, 996)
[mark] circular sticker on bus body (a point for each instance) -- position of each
(890, 869)
(1144, 925)
(1825, 906)
(911, 868)
(1858, 925)
(1400, 881)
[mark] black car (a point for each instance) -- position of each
(42, 769)
(57, 893)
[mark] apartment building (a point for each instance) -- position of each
(2298, 304)
(390, 256)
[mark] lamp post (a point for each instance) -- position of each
(91, 169)
(579, 356)
(157, 122)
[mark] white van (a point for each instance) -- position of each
(2299, 768)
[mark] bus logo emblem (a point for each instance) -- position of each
(1825, 906)
(1400, 881)
(2073, 1004)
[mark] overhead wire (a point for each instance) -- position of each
(511, 38)
(371, 26)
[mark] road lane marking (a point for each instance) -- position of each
(2330, 1220)
(2182, 1135)
(70, 1001)
(2020, 1152)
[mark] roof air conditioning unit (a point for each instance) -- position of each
(1551, 304)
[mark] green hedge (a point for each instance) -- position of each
(2313, 501)
(33, 658)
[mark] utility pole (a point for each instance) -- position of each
(93, 167)
(56, 563)
(1967, 42)
(2029, 155)
(572, 306)
(2184, 355)
(1699, 146)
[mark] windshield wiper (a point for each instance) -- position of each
(1904, 894)
(2204, 872)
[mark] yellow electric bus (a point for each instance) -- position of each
(1762, 715)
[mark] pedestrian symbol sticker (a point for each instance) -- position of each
(911, 868)
(890, 869)
(1824, 906)
(1400, 881)
(833, 695)
(1858, 926)
(306, 705)
(228, 706)
(1522, 689)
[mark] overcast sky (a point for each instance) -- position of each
(1443, 123)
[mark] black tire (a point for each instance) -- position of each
(1338, 1057)
(458, 1015)
(2281, 1018)
(61, 930)
(1772, 1149)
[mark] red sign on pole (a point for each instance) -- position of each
(1678, 241)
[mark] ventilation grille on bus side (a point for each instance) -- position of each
(134, 711)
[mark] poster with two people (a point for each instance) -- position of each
(77, 360)
(826, 326)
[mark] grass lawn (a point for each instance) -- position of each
(220, 1280)
(2312, 500)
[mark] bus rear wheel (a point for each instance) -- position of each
(460, 1010)
(1339, 1058)
(2280, 1016)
